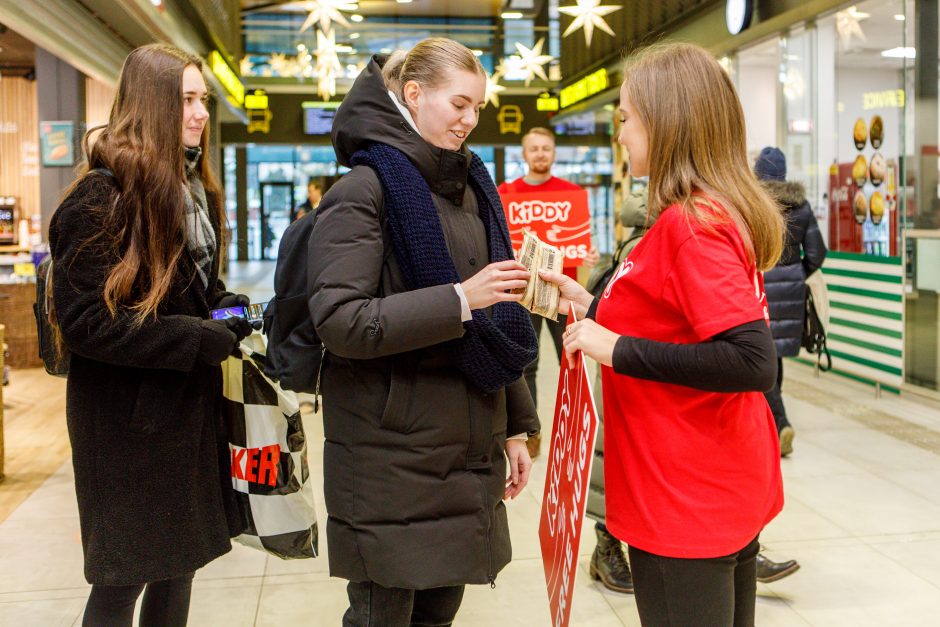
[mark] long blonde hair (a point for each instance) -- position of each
(697, 145)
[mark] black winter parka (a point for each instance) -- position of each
(414, 468)
(785, 284)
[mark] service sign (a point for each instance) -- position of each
(561, 219)
(569, 472)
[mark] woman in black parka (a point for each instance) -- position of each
(409, 265)
(136, 246)
(785, 284)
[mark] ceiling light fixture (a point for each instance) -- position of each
(511, 15)
(899, 53)
(356, 18)
(900, 17)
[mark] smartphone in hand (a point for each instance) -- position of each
(252, 313)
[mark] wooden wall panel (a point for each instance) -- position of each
(98, 100)
(19, 143)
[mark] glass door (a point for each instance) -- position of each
(277, 199)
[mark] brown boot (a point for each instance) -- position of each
(534, 444)
(609, 564)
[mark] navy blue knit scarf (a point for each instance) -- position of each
(494, 350)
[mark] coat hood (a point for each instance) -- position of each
(634, 212)
(368, 116)
(789, 194)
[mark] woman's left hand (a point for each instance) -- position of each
(520, 464)
(592, 339)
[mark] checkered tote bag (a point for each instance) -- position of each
(269, 460)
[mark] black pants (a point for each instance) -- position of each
(371, 605)
(557, 330)
(775, 399)
(165, 604)
(718, 592)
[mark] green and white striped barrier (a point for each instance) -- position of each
(866, 304)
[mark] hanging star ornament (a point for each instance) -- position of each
(492, 90)
(326, 12)
(587, 14)
(245, 66)
(847, 25)
(327, 64)
(533, 60)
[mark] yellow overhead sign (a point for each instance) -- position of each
(546, 103)
(593, 83)
(257, 100)
(227, 77)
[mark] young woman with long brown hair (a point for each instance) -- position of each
(691, 461)
(136, 246)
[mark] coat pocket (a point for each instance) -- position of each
(396, 415)
(158, 402)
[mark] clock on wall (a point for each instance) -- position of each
(738, 15)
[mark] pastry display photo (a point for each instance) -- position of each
(860, 171)
(877, 132)
(877, 208)
(860, 133)
(860, 203)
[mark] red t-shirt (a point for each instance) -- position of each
(687, 473)
(554, 184)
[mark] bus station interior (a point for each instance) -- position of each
(848, 91)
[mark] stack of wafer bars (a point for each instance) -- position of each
(540, 297)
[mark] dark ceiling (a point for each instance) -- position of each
(17, 54)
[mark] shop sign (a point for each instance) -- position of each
(259, 116)
(888, 99)
(510, 119)
(57, 143)
(257, 100)
(546, 103)
(227, 77)
(565, 498)
(593, 83)
(561, 219)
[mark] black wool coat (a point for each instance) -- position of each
(785, 284)
(413, 464)
(144, 416)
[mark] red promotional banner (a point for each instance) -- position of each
(566, 485)
(561, 219)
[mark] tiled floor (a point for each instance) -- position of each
(862, 517)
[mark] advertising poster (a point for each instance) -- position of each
(57, 143)
(561, 219)
(566, 486)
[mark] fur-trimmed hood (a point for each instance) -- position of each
(789, 194)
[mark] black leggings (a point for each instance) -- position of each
(718, 592)
(165, 604)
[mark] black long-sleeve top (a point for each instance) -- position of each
(740, 359)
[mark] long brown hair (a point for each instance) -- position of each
(142, 146)
(697, 144)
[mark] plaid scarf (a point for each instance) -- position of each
(200, 235)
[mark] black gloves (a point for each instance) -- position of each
(232, 300)
(220, 337)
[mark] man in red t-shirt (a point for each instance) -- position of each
(538, 152)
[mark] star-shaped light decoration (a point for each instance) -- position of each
(245, 66)
(327, 64)
(533, 60)
(587, 14)
(326, 12)
(492, 89)
(280, 64)
(847, 25)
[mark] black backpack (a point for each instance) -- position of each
(55, 363)
(814, 334)
(295, 352)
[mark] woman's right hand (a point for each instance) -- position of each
(489, 286)
(220, 337)
(572, 294)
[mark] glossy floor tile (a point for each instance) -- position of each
(862, 516)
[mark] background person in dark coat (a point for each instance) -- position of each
(136, 258)
(786, 282)
(414, 465)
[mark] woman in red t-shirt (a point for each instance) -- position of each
(691, 465)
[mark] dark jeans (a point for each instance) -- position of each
(718, 592)
(775, 399)
(165, 604)
(557, 330)
(371, 605)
